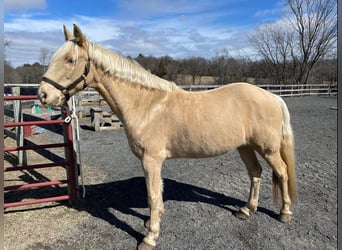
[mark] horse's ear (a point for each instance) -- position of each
(67, 34)
(79, 37)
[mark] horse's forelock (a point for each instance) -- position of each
(67, 47)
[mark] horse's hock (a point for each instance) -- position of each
(103, 120)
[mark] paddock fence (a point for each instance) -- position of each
(18, 127)
(290, 90)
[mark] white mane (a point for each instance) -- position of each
(125, 68)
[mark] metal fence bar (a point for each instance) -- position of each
(36, 201)
(34, 147)
(30, 123)
(69, 163)
(35, 185)
(19, 97)
(36, 166)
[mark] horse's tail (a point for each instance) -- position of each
(287, 152)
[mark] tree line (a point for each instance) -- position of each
(222, 69)
(298, 49)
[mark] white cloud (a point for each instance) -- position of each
(24, 4)
(32, 25)
(189, 32)
(271, 14)
(163, 7)
(25, 47)
(266, 12)
(27, 36)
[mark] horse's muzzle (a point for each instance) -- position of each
(49, 95)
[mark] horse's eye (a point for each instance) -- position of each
(71, 61)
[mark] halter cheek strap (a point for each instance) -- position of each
(65, 90)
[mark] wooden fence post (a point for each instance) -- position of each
(19, 130)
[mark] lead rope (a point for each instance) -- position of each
(74, 116)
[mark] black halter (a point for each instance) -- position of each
(65, 90)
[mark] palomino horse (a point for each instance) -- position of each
(163, 121)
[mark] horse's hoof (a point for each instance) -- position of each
(145, 246)
(241, 215)
(285, 218)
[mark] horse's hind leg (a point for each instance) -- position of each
(252, 164)
(279, 168)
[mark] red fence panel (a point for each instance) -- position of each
(69, 163)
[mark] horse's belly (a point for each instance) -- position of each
(205, 146)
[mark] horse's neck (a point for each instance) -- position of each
(131, 102)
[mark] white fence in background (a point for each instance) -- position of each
(302, 90)
(282, 90)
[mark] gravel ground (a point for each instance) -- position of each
(201, 197)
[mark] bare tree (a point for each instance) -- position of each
(220, 66)
(273, 42)
(294, 46)
(315, 25)
(44, 57)
(10, 75)
(30, 73)
(148, 62)
(195, 66)
(171, 68)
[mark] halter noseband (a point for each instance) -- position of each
(65, 90)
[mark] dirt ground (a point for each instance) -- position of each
(201, 196)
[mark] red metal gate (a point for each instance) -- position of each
(69, 163)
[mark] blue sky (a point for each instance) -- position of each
(178, 28)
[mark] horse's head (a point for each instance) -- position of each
(68, 70)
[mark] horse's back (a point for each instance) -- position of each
(243, 89)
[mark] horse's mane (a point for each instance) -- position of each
(128, 69)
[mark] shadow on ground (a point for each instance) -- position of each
(131, 193)
(125, 195)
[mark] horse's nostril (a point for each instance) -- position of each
(42, 97)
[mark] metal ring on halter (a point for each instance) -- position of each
(68, 119)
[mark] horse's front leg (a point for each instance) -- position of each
(152, 168)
